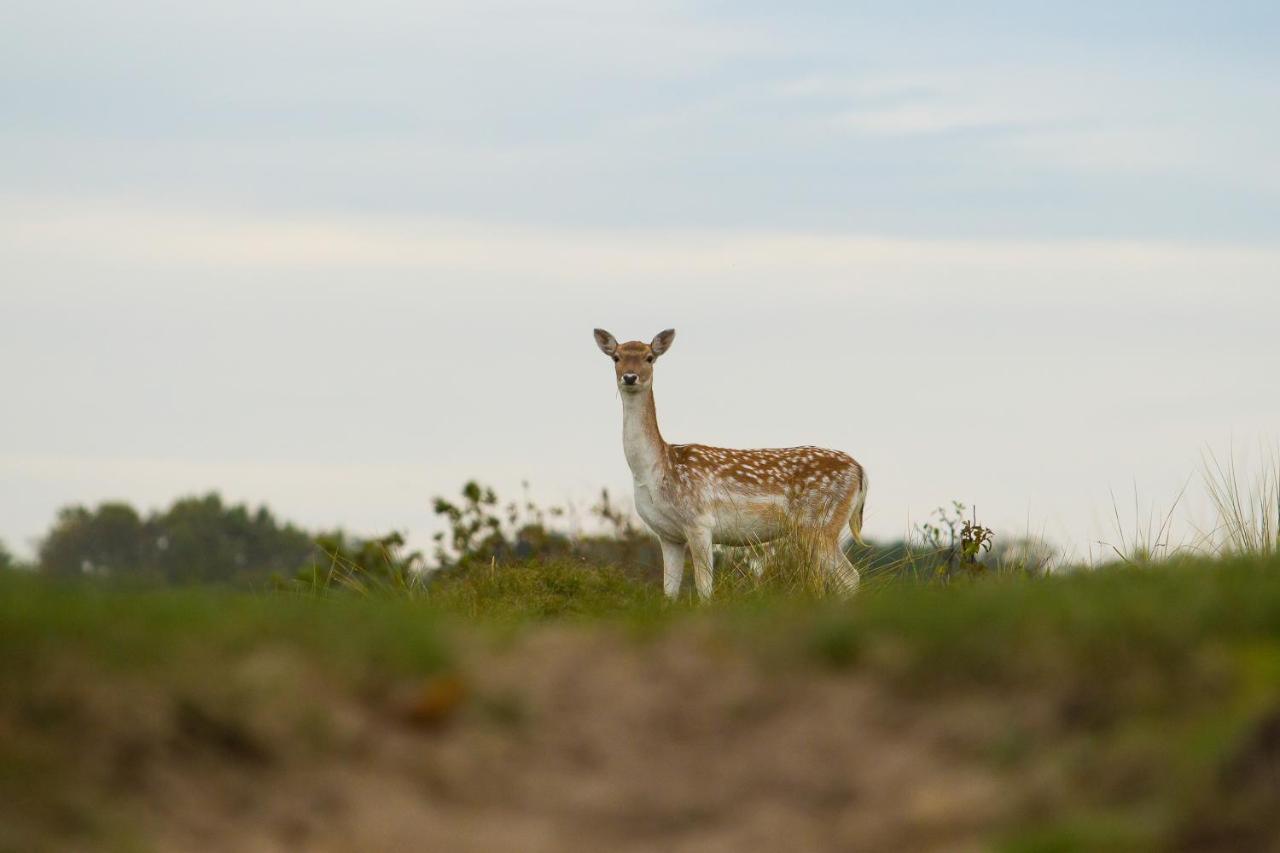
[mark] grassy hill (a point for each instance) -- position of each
(566, 706)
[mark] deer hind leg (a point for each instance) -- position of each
(672, 567)
(844, 576)
(700, 550)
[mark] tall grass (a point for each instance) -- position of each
(1241, 496)
(1247, 505)
(1151, 539)
(793, 564)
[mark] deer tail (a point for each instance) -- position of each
(859, 502)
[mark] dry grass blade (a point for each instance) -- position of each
(1248, 511)
(1151, 541)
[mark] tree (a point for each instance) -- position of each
(201, 540)
(108, 541)
(7, 560)
(197, 540)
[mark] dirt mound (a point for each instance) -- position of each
(569, 739)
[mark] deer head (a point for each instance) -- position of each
(633, 361)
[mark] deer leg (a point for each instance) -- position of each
(672, 567)
(700, 550)
(843, 574)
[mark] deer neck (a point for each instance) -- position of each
(641, 441)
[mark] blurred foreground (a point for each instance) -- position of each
(560, 706)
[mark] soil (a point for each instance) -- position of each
(565, 740)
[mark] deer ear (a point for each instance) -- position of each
(662, 341)
(608, 343)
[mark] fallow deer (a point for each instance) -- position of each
(693, 496)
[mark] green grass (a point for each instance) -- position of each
(152, 628)
(1155, 690)
(540, 592)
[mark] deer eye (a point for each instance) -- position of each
(649, 359)
(616, 359)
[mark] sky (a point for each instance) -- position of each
(340, 257)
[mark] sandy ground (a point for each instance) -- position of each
(563, 741)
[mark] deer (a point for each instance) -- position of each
(694, 496)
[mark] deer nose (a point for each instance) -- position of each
(629, 379)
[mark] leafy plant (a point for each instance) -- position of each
(974, 539)
(959, 541)
(479, 534)
(481, 531)
(475, 531)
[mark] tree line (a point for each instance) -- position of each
(195, 540)
(204, 540)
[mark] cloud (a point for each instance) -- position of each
(1056, 116)
(1129, 151)
(150, 241)
(635, 114)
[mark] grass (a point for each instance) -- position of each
(539, 592)
(1151, 692)
(150, 628)
(1247, 512)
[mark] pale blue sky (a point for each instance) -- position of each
(340, 257)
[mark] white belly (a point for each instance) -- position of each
(747, 521)
(739, 519)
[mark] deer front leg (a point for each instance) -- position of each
(700, 550)
(672, 567)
